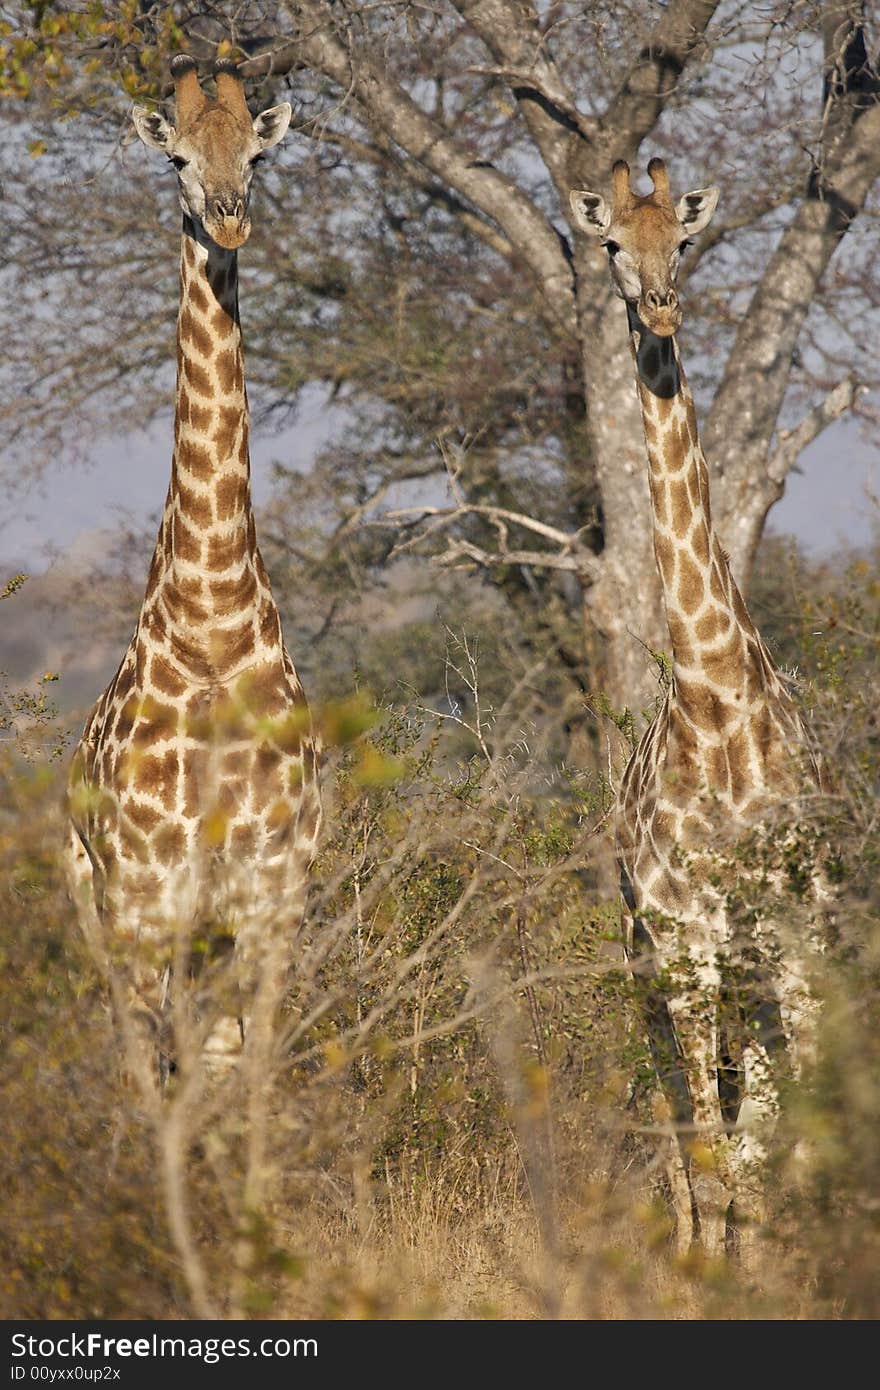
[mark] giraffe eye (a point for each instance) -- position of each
(178, 162)
(611, 247)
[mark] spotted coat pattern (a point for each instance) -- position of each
(724, 755)
(193, 794)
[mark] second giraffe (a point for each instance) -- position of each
(724, 985)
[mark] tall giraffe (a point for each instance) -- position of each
(193, 797)
(725, 754)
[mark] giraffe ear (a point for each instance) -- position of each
(271, 126)
(153, 128)
(694, 210)
(591, 213)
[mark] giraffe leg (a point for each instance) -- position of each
(705, 1147)
(681, 995)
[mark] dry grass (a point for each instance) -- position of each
(456, 1120)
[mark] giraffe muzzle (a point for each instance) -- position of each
(227, 222)
(660, 312)
(228, 232)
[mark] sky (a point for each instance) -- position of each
(832, 501)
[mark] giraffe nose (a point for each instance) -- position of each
(229, 205)
(655, 299)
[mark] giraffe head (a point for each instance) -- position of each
(214, 145)
(644, 238)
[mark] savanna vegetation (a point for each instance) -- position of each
(460, 1117)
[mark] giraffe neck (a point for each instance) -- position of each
(713, 638)
(204, 586)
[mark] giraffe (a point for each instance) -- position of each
(724, 755)
(193, 800)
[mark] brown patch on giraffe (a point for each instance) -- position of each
(198, 298)
(650, 431)
(197, 460)
(243, 841)
(226, 367)
(706, 709)
(691, 588)
(280, 832)
(191, 585)
(164, 679)
(237, 763)
(680, 636)
(229, 421)
(157, 773)
(227, 594)
(715, 764)
(738, 760)
(659, 500)
(230, 648)
(170, 843)
(184, 609)
(230, 796)
(200, 417)
(128, 713)
(108, 764)
(232, 496)
(198, 378)
(711, 625)
(194, 766)
(278, 813)
(145, 817)
(186, 544)
(680, 504)
(144, 884)
(267, 782)
(189, 251)
(270, 624)
(194, 334)
(763, 730)
(224, 551)
(265, 691)
(700, 545)
(222, 321)
(680, 734)
(716, 584)
(153, 576)
(725, 663)
(197, 507)
(157, 723)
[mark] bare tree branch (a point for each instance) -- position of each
(392, 110)
(571, 555)
(792, 442)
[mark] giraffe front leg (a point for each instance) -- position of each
(705, 1147)
(681, 1013)
(681, 963)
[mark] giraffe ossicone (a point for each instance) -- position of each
(723, 765)
(193, 796)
